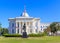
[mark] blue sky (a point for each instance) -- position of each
(47, 10)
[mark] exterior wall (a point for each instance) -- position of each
(12, 27)
(44, 26)
(36, 26)
(39, 26)
(32, 25)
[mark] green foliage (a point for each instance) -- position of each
(5, 31)
(30, 35)
(54, 27)
(12, 35)
(37, 35)
(0, 25)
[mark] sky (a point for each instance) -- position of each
(47, 10)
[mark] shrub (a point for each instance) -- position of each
(37, 35)
(12, 35)
(30, 35)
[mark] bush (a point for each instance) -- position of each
(12, 35)
(30, 35)
(37, 35)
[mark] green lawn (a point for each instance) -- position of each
(45, 39)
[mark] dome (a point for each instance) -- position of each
(25, 14)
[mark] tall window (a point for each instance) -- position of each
(21, 24)
(41, 27)
(12, 24)
(18, 30)
(36, 30)
(12, 30)
(18, 24)
(36, 24)
(27, 23)
(30, 30)
(18, 27)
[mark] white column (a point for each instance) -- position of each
(26, 27)
(33, 27)
(19, 27)
(22, 26)
(16, 28)
(38, 25)
(30, 28)
(10, 28)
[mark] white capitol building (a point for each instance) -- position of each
(33, 25)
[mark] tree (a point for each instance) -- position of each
(0, 25)
(0, 28)
(4, 31)
(54, 27)
(48, 29)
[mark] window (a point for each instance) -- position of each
(12, 24)
(18, 30)
(36, 30)
(12, 30)
(30, 30)
(36, 24)
(41, 28)
(18, 24)
(27, 23)
(21, 24)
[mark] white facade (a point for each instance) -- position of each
(16, 24)
(44, 26)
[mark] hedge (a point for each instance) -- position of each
(12, 35)
(30, 35)
(37, 35)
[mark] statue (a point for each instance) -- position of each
(24, 27)
(24, 35)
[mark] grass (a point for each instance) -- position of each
(45, 39)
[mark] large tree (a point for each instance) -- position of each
(54, 27)
(3, 30)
